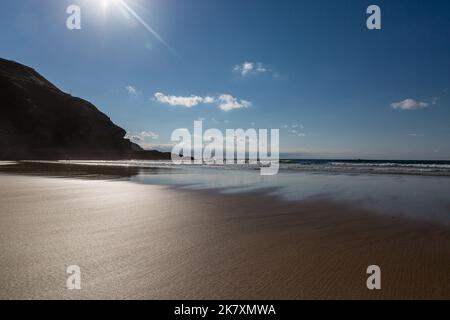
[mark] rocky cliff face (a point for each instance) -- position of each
(39, 121)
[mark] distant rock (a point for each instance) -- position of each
(39, 121)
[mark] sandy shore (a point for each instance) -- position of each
(139, 241)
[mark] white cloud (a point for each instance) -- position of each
(261, 68)
(410, 104)
(244, 68)
(131, 89)
(435, 100)
(416, 135)
(150, 134)
(228, 102)
(248, 68)
(187, 102)
(142, 138)
(208, 100)
(295, 129)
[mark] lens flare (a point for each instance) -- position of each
(129, 12)
(145, 24)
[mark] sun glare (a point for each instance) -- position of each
(123, 5)
(107, 3)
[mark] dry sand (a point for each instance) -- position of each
(139, 241)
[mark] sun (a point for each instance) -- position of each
(106, 3)
(123, 4)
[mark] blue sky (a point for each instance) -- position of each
(311, 68)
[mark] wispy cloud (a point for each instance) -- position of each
(294, 126)
(435, 100)
(248, 68)
(149, 134)
(182, 101)
(416, 135)
(411, 104)
(130, 89)
(295, 129)
(226, 102)
(143, 138)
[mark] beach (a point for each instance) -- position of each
(141, 241)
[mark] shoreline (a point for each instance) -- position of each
(285, 167)
(136, 241)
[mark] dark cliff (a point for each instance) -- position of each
(39, 121)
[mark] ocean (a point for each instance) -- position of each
(409, 167)
(414, 167)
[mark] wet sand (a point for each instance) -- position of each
(136, 241)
